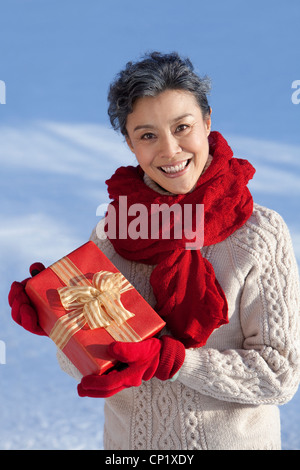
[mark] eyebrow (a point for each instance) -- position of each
(150, 126)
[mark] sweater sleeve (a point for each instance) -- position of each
(266, 369)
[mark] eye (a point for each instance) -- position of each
(182, 127)
(147, 136)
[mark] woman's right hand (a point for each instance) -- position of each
(22, 310)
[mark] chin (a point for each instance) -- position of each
(179, 189)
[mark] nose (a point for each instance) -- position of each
(169, 146)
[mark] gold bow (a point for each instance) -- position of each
(100, 303)
(96, 303)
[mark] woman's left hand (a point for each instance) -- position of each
(154, 357)
(22, 309)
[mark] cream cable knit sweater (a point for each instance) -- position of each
(226, 393)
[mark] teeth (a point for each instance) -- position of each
(174, 169)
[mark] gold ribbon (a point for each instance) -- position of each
(97, 303)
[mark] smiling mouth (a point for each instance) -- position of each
(173, 169)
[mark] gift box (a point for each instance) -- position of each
(84, 303)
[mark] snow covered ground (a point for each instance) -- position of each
(52, 181)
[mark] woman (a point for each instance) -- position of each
(230, 351)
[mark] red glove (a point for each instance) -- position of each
(154, 357)
(22, 310)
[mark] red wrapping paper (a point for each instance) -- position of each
(86, 349)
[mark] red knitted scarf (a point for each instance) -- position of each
(188, 295)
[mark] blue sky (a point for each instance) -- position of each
(57, 58)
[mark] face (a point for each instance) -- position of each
(168, 136)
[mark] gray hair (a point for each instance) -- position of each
(151, 76)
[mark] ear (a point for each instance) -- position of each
(208, 122)
(129, 143)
